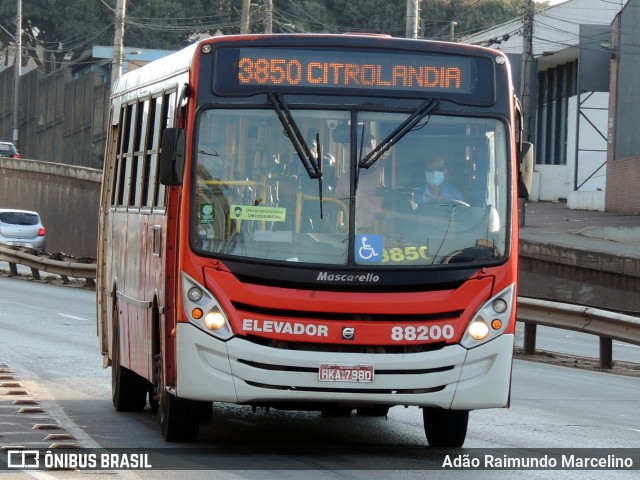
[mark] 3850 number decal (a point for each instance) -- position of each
(404, 254)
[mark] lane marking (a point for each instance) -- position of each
(73, 317)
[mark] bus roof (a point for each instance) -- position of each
(165, 67)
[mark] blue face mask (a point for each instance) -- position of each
(434, 178)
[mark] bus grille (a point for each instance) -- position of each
(333, 316)
(344, 348)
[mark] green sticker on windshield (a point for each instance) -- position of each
(207, 213)
(258, 213)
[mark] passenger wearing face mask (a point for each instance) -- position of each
(436, 188)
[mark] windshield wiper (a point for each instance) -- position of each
(405, 127)
(311, 161)
(308, 159)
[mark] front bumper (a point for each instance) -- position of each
(239, 371)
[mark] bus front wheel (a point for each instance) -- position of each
(179, 418)
(445, 428)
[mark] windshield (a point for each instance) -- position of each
(437, 196)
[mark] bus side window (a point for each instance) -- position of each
(153, 150)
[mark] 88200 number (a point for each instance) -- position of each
(422, 333)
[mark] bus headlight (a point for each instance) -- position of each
(478, 330)
(203, 310)
(215, 320)
(490, 320)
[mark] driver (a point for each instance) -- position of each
(436, 187)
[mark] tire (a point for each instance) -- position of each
(154, 391)
(128, 389)
(153, 403)
(179, 418)
(445, 428)
(375, 411)
(206, 412)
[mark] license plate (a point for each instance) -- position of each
(332, 372)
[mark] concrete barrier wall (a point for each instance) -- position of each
(60, 118)
(66, 197)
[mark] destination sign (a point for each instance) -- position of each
(256, 69)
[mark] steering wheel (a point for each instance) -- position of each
(448, 201)
(442, 218)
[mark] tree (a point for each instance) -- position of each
(54, 21)
(53, 28)
(57, 29)
(373, 16)
(470, 16)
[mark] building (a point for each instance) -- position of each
(623, 160)
(100, 59)
(63, 113)
(569, 96)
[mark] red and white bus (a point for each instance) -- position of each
(268, 237)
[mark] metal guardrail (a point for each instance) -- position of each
(55, 263)
(607, 325)
(532, 312)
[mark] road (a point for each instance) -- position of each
(48, 339)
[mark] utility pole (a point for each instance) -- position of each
(525, 79)
(245, 19)
(452, 30)
(413, 13)
(118, 49)
(17, 66)
(268, 22)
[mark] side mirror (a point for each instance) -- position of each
(172, 157)
(525, 176)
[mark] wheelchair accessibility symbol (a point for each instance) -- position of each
(369, 248)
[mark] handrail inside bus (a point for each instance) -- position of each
(301, 197)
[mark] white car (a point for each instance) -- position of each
(8, 149)
(23, 228)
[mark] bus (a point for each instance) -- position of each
(272, 234)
